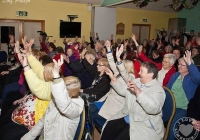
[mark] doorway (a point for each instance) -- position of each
(142, 31)
(21, 28)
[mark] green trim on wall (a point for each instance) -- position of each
(193, 18)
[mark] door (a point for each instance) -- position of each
(30, 30)
(4, 46)
(142, 31)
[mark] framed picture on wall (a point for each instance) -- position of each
(120, 28)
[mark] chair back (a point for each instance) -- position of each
(81, 125)
(3, 57)
(168, 110)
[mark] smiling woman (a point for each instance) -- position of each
(183, 85)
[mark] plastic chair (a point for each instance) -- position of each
(169, 109)
(81, 125)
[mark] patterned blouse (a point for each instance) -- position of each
(25, 113)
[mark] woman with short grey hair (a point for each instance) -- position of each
(167, 70)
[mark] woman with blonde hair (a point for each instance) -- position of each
(63, 113)
(113, 102)
(101, 84)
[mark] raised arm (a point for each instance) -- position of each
(116, 84)
(125, 75)
(111, 59)
(37, 86)
(35, 65)
(63, 101)
(158, 33)
(193, 70)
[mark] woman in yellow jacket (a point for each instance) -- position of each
(39, 88)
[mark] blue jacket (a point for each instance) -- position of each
(190, 81)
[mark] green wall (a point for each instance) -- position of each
(193, 18)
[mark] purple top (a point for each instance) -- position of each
(68, 71)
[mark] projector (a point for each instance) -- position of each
(72, 17)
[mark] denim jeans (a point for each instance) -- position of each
(8, 88)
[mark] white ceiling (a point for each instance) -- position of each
(153, 6)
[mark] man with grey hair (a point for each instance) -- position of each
(167, 70)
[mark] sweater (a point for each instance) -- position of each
(190, 81)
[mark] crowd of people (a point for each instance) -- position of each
(41, 92)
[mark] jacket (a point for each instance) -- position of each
(168, 75)
(190, 81)
(79, 71)
(61, 118)
(145, 111)
(38, 86)
(102, 86)
(113, 101)
(144, 58)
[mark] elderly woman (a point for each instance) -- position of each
(141, 117)
(183, 85)
(167, 70)
(113, 102)
(101, 84)
(61, 119)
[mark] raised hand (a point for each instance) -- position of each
(24, 41)
(66, 58)
(31, 42)
(119, 51)
(125, 43)
(111, 75)
(27, 46)
(187, 57)
(22, 58)
(159, 44)
(133, 37)
(57, 66)
(108, 45)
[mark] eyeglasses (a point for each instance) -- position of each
(181, 65)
